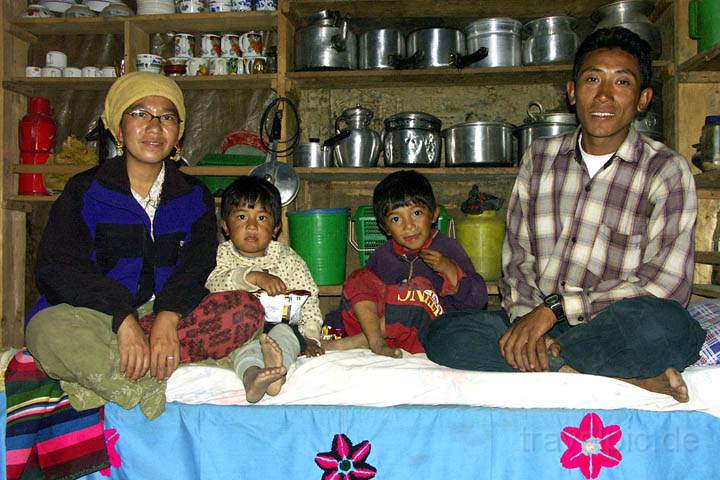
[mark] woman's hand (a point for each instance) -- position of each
(164, 345)
(440, 264)
(270, 283)
(133, 348)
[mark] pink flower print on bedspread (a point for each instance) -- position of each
(591, 446)
(345, 462)
(111, 438)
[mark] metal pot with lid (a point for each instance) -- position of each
(501, 37)
(380, 48)
(633, 15)
(479, 143)
(438, 47)
(550, 40)
(540, 123)
(412, 138)
(327, 43)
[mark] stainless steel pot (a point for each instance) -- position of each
(312, 154)
(633, 15)
(550, 40)
(435, 47)
(501, 36)
(412, 138)
(360, 147)
(540, 124)
(326, 44)
(708, 150)
(479, 143)
(380, 49)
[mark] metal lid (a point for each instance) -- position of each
(357, 111)
(537, 114)
(325, 17)
(420, 120)
(645, 7)
(550, 23)
(712, 119)
(494, 25)
(481, 123)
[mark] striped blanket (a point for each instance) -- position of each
(46, 437)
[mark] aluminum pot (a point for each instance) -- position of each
(708, 150)
(312, 154)
(379, 49)
(649, 124)
(633, 15)
(435, 47)
(326, 44)
(412, 138)
(357, 145)
(540, 124)
(550, 40)
(501, 36)
(479, 143)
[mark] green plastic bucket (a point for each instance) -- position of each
(320, 238)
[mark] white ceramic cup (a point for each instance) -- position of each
(184, 45)
(108, 71)
(51, 72)
(33, 72)
(230, 45)
(90, 71)
(210, 45)
(241, 5)
(147, 62)
(190, 6)
(56, 59)
(251, 44)
(71, 72)
(218, 66)
(266, 5)
(197, 66)
(220, 5)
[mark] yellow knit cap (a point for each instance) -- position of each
(130, 88)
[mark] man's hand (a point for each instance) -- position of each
(440, 264)
(164, 345)
(133, 348)
(312, 349)
(270, 283)
(523, 344)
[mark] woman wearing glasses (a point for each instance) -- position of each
(123, 262)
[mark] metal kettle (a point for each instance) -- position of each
(356, 145)
(327, 43)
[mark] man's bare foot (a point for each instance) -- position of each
(669, 383)
(272, 356)
(257, 380)
(381, 348)
(346, 343)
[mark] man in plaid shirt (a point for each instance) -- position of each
(599, 252)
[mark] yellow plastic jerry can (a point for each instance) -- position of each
(482, 236)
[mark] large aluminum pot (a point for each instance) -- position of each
(312, 154)
(412, 138)
(326, 44)
(479, 143)
(501, 36)
(550, 40)
(542, 124)
(379, 49)
(435, 47)
(633, 15)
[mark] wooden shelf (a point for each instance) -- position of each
(344, 79)
(706, 290)
(31, 86)
(707, 61)
(336, 290)
(448, 8)
(191, 23)
(707, 258)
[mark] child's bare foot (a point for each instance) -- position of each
(669, 382)
(272, 356)
(257, 381)
(381, 348)
(346, 343)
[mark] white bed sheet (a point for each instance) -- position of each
(358, 377)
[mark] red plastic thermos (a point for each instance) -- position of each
(36, 138)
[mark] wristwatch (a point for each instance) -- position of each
(554, 303)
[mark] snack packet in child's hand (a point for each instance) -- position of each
(283, 308)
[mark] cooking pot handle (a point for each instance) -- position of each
(337, 124)
(339, 41)
(332, 141)
(535, 115)
(401, 63)
(462, 61)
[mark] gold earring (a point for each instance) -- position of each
(176, 156)
(119, 148)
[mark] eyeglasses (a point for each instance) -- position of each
(166, 119)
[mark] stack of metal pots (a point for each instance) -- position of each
(479, 143)
(540, 123)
